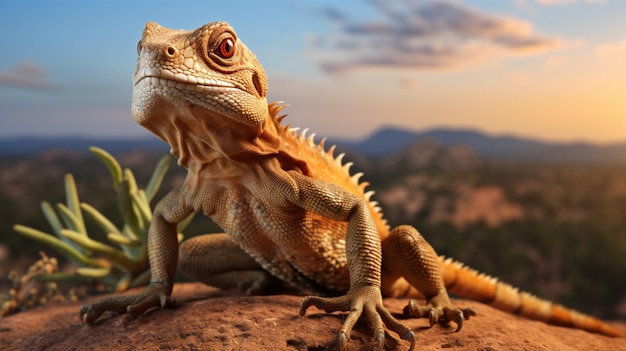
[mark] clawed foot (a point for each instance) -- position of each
(366, 301)
(441, 314)
(154, 295)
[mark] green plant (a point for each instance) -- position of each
(123, 261)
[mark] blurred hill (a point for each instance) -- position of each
(383, 142)
(389, 140)
(28, 145)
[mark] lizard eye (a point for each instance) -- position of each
(139, 47)
(226, 49)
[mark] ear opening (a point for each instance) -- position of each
(258, 85)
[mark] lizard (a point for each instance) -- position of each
(290, 209)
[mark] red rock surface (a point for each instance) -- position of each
(207, 319)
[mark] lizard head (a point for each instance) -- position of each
(203, 86)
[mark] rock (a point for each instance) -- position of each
(208, 319)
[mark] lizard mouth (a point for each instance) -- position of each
(161, 77)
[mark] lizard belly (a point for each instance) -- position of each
(299, 247)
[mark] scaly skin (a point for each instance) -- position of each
(290, 210)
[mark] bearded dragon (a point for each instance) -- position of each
(291, 211)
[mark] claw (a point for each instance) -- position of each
(458, 316)
(85, 316)
(458, 319)
(410, 337)
(304, 306)
(409, 309)
(343, 341)
(380, 339)
(432, 316)
(126, 320)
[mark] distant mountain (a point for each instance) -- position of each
(383, 142)
(388, 140)
(32, 145)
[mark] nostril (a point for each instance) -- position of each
(171, 51)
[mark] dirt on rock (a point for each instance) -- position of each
(208, 319)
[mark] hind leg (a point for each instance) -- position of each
(407, 254)
(216, 260)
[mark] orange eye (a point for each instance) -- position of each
(226, 49)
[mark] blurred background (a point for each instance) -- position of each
(497, 128)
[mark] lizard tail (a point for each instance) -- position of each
(469, 283)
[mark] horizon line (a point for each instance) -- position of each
(511, 135)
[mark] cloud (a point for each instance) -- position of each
(26, 75)
(423, 36)
(561, 2)
(615, 50)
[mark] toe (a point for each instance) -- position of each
(436, 313)
(394, 325)
(90, 313)
(329, 305)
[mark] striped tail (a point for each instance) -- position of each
(468, 283)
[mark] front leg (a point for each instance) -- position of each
(163, 256)
(364, 257)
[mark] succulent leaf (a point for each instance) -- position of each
(111, 163)
(64, 248)
(157, 177)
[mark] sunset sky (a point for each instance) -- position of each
(546, 69)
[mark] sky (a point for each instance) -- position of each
(553, 70)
